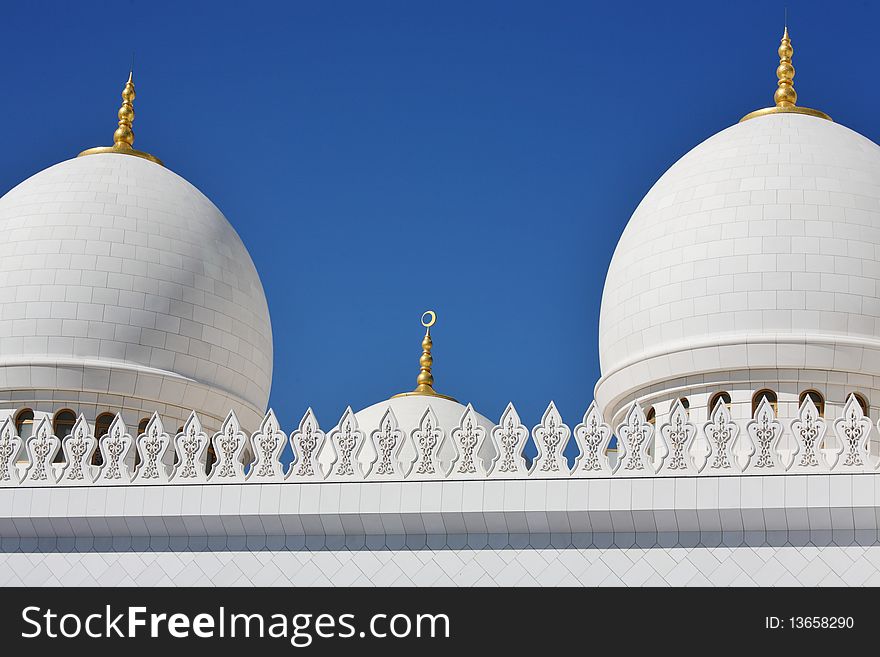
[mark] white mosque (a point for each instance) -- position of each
(733, 437)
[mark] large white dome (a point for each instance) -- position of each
(758, 250)
(123, 285)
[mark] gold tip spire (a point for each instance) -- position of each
(425, 380)
(123, 138)
(785, 96)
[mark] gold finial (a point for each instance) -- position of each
(425, 380)
(785, 96)
(123, 138)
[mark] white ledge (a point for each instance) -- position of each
(619, 506)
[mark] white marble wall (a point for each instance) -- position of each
(765, 530)
(431, 561)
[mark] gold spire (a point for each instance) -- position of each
(785, 96)
(123, 138)
(425, 380)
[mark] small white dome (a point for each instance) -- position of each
(760, 248)
(120, 278)
(410, 410)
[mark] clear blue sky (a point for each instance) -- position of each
(380, 158)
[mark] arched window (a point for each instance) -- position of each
(723, 397)
(863, 402)
(684, 402)
(651, 416)
(174, 451)
(142, 429)
(817, 398)
(102, 428)
(24, 422)
(102, 424)
(761, 394)
(62, 423)
(210, 458)
(62, 426)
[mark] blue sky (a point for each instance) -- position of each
(381, 158)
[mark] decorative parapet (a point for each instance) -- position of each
(765, 445)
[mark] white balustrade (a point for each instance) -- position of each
(721, 446)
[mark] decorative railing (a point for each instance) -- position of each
(679, 447)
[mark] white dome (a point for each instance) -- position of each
(757, 249)
(410, 410)
(121, 279)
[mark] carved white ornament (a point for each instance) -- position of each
(79, 447)
(115, 448)
(551, 438)
(229, 445)
(764, 430)
(41, 447)
(721, 433)
(153, 449)
(268, 443)
(678, 435)
(346, 441)
(509, 436)
(593, 437)
(428, 438)
(307, 441)
(809, 429)
(387, 441)
(191, 446)
(636, 435)
(10, 448)
(468, 438)
(853, 429)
